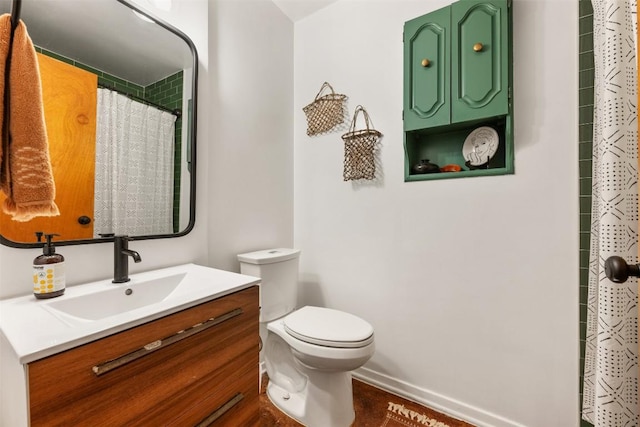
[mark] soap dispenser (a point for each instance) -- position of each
(48, 271)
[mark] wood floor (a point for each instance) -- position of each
(373, 407)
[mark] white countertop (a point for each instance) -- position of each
(35, 330)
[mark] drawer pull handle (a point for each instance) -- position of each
(112, 364)
(425, 62)
(221, 411)
(478, 47)
(153, 345)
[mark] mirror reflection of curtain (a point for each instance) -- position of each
(134, 167)
(610, 396)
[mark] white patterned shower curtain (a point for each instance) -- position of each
(610, 394)
(134, 167)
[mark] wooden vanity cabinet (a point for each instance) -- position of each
(160, 378)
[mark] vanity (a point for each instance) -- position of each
(176, 346)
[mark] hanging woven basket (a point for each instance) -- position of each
(359, 149)
(325, 112)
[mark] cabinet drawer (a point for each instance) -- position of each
(178, 384)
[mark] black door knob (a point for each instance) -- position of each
(84, 220)
(618, 271)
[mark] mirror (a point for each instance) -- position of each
(108, 69)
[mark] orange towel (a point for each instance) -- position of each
(26, 177)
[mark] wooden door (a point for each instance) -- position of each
(427, 70)
(479, 46)
(70, 98)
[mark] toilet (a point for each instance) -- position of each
(309, 352)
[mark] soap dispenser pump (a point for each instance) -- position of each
(48, 271)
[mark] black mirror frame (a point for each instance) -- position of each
(192, 160)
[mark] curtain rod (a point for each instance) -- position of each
(177, 112)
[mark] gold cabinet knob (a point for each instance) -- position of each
(425, 62)
(478, 47)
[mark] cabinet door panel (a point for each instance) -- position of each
(479, 60)
(426, 85)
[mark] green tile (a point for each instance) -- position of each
(585, 223)
(585, 8)
(584, 257)
(102, 81)
(121, 82)
(586, 97)
(585, 114)
(584, 290)
(585, 42)
(113, 81)
(585, 24)
(585, 185)
(583, 313)
(584, 282)
(176, 97)
(585, 239)
(585, 206)
(586, 77)
(585, 149)
(586, 60)
(136, 87)
(585, 164)
(585, 134)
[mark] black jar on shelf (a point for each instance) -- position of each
(425, 166)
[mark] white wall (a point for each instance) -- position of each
(92, 262)
(250, 170)
(471, 284)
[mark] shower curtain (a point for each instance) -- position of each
(610, 393)
(134, 167)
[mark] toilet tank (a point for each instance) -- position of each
(278, 271)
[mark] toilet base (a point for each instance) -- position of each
(326, 400)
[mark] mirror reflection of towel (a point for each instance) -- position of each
(26, 176)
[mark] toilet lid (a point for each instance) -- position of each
(329, 328)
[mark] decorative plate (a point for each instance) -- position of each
(481, 145)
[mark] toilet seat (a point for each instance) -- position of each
(329, 328)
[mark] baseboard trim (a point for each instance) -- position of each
(431, 399)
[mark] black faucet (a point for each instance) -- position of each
(121, 252)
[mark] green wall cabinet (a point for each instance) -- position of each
(457, 77)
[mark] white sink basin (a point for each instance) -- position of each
(122, 298)
(37, 328)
